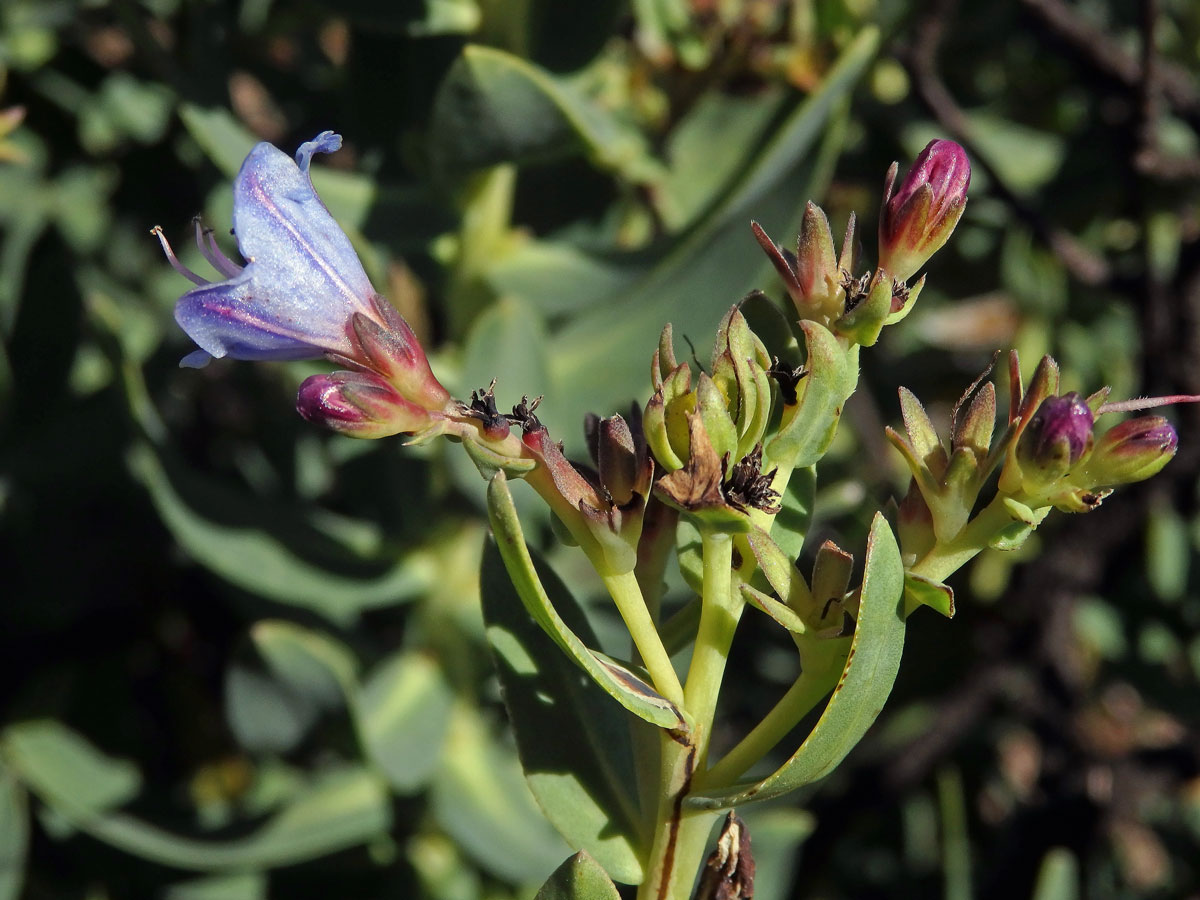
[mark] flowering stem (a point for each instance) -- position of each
(627, 595)
(801, 698)
(947, 557)
(681, 835)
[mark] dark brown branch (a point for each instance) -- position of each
(1084, 265)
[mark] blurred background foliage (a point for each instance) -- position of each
(245, 659)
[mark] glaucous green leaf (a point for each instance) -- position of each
(64, 770)
(260, 547)
(313, 664)
(859, 696)
(479, 797)
(341, 809)
(1058, 877)
(494, 107)
(14, 835)
(264, 714)
(626, 687)
(403, 710)
(579, 878)
(574, 741)
(243, 886)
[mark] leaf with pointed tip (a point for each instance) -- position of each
(626, 687)
(781, 572)
(579, 878)
(866, 681)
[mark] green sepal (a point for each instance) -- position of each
(806, 429)
(1013, 535)
(782, 574)
(913, 293)
(860, 694)
(579, 878)
(782, 613)
(922, 591)
(489, 462)
(863, 323)
(626, 687)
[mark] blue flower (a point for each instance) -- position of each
(302, 283)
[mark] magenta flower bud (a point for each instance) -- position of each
(1133, 451)
(1056, 438)
(361, 404)
(918, 219)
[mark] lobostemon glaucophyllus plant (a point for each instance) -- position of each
(709, 471)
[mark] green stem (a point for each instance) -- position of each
(681, 835)
(627, 596)
(719, 614)
(801, 698)
(947, 557)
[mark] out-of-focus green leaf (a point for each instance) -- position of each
(14, 836)
(599, 358)
(1167, 553)
(495, 108)
(956, 842)
(244, 886)
(479, 797)
(263, 714)
(62, 768)
(624, 686)
(708, 148)
(403, 710)
(311, 663)
(240, 540)
(340, 809)
(583, 776)
(555, 277)
(1058, 877)
(579, 878)
(860, 695)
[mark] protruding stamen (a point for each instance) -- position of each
(173, 259)
(207, 243)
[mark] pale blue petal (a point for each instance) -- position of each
(302, 281)
(232, 319)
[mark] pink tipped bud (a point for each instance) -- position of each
(360, 404)
(1133, 451)
(1056, 438)
(918, 219)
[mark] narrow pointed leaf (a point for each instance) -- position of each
(629, 689)
(859, 696)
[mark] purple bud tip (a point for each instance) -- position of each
(917, 219)
(1149, 433)
(1059, 433)
(943, 165)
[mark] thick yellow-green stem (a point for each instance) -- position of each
(681, 834)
